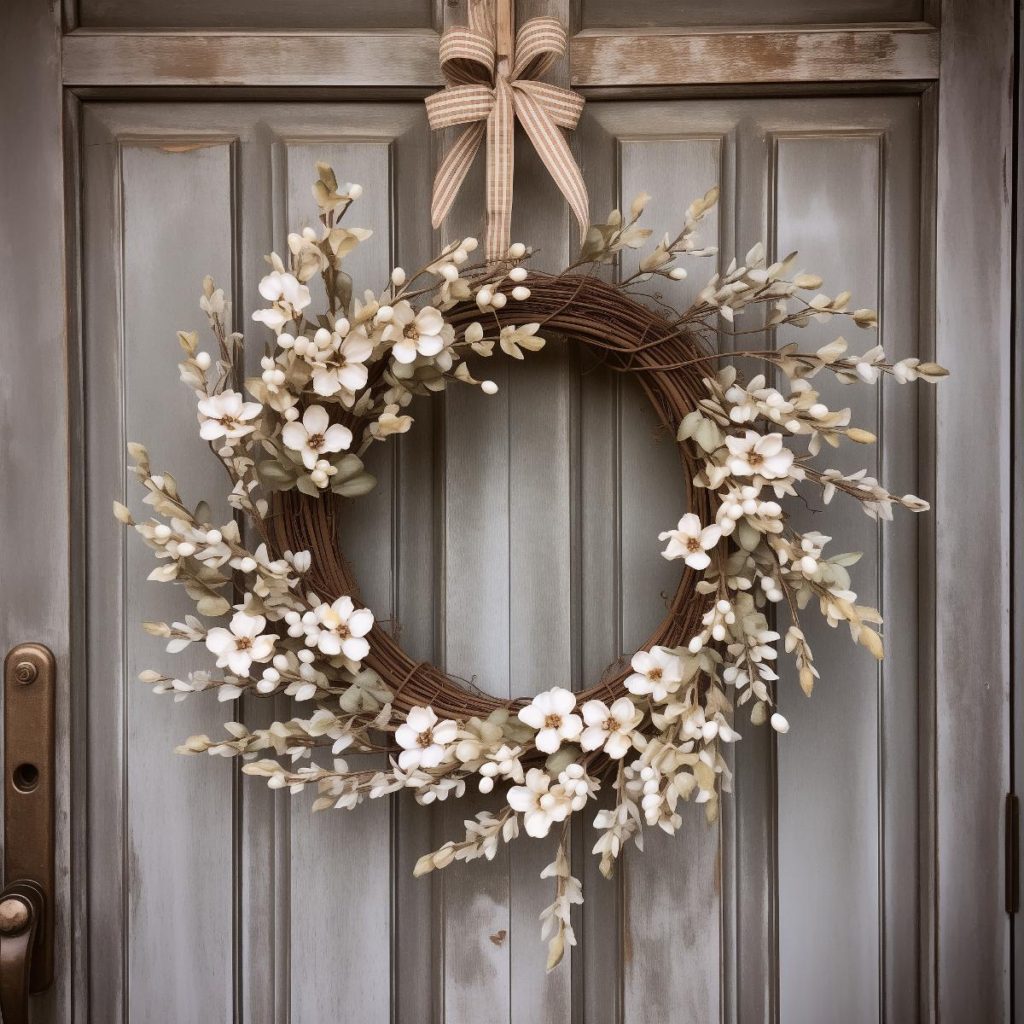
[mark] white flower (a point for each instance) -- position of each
(550, 713)
(273, 318)
(759, 454)
(348, 370)
(315, 435)
(285, 288)
(690, 542)
(238, 647)
(226, 415)
(539, 802)
(413, 333)
(423, 739)
(610, 728)
(657, 672)
(339, 628)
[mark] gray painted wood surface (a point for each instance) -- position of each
(191, 894)
(538, 510)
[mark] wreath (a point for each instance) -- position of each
(293, 442)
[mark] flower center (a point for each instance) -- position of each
(552, 721)
(243, 643)
(755, 459)
(411, 332)
(654, 674)
(315, 441)
(425, 739)
(228, 422)
(693, 544)
(342, 630)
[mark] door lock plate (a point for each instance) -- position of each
(29, 788)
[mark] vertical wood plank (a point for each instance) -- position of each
(675, 884)
(971, 622)
(340, 861)
(104, 668)
(828, 204)
(177, 811)
(750, 948)
(40, 430)
(599, 958)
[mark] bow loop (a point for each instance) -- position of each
(539, 44)
(467, 57)
(488, 101)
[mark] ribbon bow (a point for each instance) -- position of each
(487, 94)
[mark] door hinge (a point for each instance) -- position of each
(1012, 853)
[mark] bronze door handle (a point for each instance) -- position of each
(21, 914)
(26, 902)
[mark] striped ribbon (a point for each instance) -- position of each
(483, 96)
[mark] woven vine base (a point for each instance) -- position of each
(670, 360)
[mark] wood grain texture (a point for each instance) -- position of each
(171, 819)
(675, 884)
(615, 14)
(314, 15)
(828, 201)
(36, 501)
(507, 546)
(325, 889)
(972, 622)
(608, 57)
(388, 57)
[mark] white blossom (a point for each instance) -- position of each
(757, 454)
(242, 643)
(540, 803)
(657, 673)
(339, 628)
(315, 435)
(227, 415)
(346, 369)
(414, 333)
(423, 739)
(550, 713)
(610, 728)
(691, 542)
(285, 288)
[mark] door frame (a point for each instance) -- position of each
(961, 58)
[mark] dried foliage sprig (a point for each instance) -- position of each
(335, 383)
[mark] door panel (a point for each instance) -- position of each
(512, 538)
(669, 13)
(256, 14)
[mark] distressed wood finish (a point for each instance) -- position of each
(833, 178)
(658, 56)
(408, 57)
(972, 640)
(614, 14)
(39, 508)
(313, 15)
(512, 538)
(382, 58)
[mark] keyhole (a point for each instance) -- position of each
(26, 778)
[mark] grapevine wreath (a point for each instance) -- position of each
(279, 610)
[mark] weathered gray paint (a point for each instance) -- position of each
(202, 896)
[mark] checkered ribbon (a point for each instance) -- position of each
(479, 95)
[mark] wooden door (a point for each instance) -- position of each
(857, 874)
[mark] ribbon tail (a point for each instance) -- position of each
(453, 171)
(549, 142)
(500, 169)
